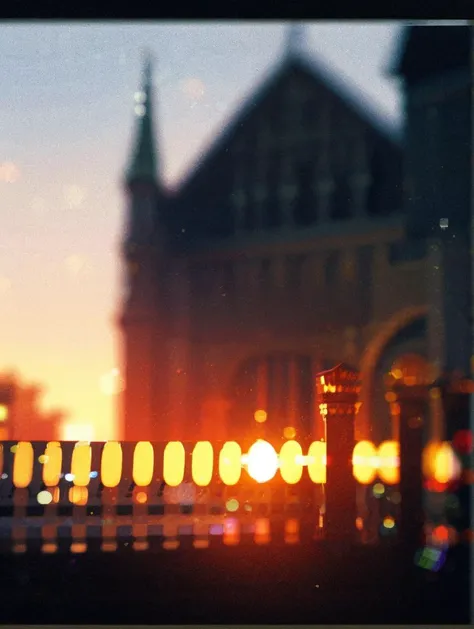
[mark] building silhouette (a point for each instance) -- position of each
(311, 233)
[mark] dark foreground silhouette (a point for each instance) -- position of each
(320, 582)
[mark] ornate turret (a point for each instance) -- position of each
(143, 164)
(142, 319)
(141, 177)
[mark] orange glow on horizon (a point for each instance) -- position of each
(77, 432)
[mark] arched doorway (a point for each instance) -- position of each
(372, 374)
(404, 356)
(408, 369)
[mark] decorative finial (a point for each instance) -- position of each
(295, 39)
(147, 67)
(143, 162)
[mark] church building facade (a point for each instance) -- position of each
(311, 233)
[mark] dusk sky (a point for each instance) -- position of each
(66, 118)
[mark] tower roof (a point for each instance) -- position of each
(418, 55)
(295, 43)
(143, 163)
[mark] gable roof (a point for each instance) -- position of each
(322, 74)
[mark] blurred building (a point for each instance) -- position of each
(311, 233)
(21, 414)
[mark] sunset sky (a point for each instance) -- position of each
(66, 117)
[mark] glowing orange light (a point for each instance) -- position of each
(143, 462)
(141, 497)
(262, 462)
(231, 533)
(289, 432)
(365, 462)
(428, 458)
(230, 467)
(292, 531)
(202, 463)
(81, 464)
(317, 461)
(359, 523)
(388, 522)
(262, 531)
(446, 464)
(78, 495)
(260, 416)
(23, 464)
(173, 463)
(389, 466)
(111, 464)
(290, 469)
(52, 464)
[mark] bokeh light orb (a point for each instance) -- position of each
(262, 462)
(365, 462)
(44, 497)
(447, 466)
(260, 416)
(389, 462)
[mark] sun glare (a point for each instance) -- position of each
(77, 432)
(262, 461)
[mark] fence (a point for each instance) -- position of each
(63, 494)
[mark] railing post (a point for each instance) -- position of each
(413, 402)
(338, 393)
(455, 396)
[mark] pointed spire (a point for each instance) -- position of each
(143, 164)
(295, 39)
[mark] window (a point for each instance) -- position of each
(304, 212)
(271, 208)
(341, 202)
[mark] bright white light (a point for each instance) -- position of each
(140, 97)
(77, 432)
(111, 383)
(140, 110)
(262, 461)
